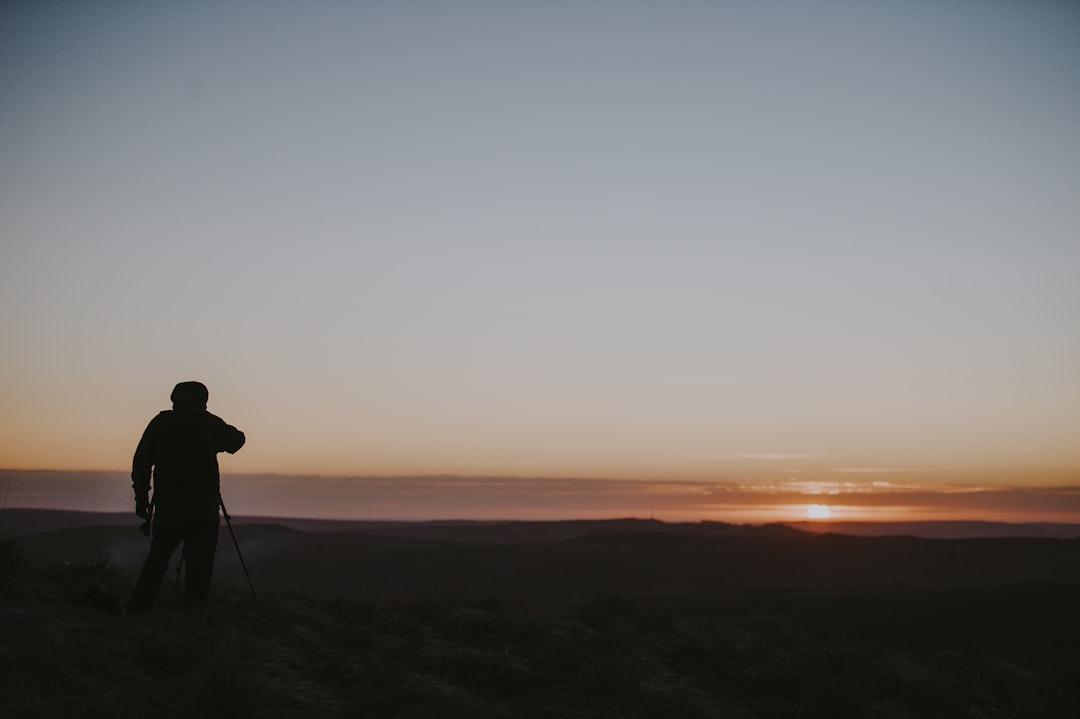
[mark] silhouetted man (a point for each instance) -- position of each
(180, 447)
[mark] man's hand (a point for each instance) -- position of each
(142, 508)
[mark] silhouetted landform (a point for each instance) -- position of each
(943, 530)
(501, 619)
(18, 522)
(559, 561)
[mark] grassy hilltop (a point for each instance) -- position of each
(966, 651)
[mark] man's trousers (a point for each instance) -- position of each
(200, 544)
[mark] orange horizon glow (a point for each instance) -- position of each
(643, 280)
(107, 446)
(510, 498)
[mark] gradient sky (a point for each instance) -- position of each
(678, 240)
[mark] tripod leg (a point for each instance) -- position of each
(243, 565)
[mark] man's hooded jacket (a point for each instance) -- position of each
(179, 448)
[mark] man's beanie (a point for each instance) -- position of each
(190, 394)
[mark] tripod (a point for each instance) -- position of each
(243, 564)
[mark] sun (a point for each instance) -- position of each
(818, 511)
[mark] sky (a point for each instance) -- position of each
(724, 243)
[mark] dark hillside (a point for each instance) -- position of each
(987, 651)
(568, 561)
(656, 563)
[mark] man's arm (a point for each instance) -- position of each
(225, 437)
(142, 465)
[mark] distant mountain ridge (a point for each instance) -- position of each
(18, 522)
(560, 561)
(965, 529)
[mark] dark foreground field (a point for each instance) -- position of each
(577, 619)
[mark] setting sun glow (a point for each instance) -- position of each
(699, 264)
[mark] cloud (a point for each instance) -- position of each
(760, 456)
(878, 470)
